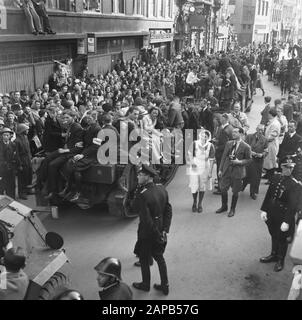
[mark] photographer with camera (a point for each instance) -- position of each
(237, 154)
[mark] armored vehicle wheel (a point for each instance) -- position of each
(56, 285)
(120, 201)
(167, 173)
(120, 205)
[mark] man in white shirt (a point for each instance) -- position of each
(191, 81)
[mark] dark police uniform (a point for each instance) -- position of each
(155, 214)
(281, 204)
(297, 172)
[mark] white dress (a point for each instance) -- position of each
(199, 176)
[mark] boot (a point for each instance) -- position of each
(233, 206)
(279, 265)
(271, 258)
(224, 199)
(201, 195)
(163, 288)
(141, 286)
(194, 208)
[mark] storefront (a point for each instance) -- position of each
(161, 40)
(105, 49)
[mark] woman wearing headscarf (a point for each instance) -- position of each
(201, 162)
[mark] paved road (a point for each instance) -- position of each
(209, 256)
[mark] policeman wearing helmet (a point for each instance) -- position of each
(110, 281)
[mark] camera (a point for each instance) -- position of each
(232, 157)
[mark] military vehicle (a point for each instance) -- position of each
(46, 262)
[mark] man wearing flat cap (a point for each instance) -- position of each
(278, 210)
(155, 214)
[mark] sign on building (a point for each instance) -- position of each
(91, 44)
(3, 16)
(82, 46)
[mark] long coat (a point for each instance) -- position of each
(289, 146)
(254, 168)
(24, 158)
(243, 153)
(282, 201)
(272, 134)
(155, 215)
(52, 138)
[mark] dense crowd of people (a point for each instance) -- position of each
(50, 134)
(189, 91)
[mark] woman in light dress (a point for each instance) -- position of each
(152, 136)
(272, 134)
(201, 161)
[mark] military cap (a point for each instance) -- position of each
(148, 170)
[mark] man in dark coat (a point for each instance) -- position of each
(73, 146)
(265, 111)
(206, 116)
(24, 166)
(290, 142)
(297, 172)
(223, 135)
(282, 201)
(79, 163)
(258, 144)
(8, 159)
(53, 137)
(155, 219)
(232, 169)
(110, 280)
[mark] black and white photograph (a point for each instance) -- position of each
(150, 151)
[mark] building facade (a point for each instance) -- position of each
(196, 24)
(261, 31)
(276, 20)
(243, 20)
(92, 32)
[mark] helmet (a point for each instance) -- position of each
(70, 295)
(6, 130)
(111, 267)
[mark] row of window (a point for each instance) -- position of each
(30, 53)
(262, 8)
(148, 8)
(276, 15)
(117, 45)
(247, 26)
(155, 8)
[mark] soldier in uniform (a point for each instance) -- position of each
(155, 219)
(278, 211)
(110, 281)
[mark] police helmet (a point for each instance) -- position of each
(111, 267)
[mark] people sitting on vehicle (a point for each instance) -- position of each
(81, 162)
(73, 146)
